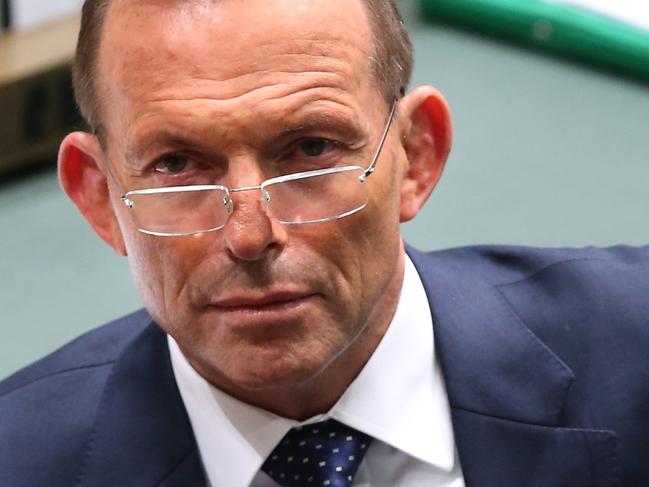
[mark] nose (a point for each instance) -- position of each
(251, 234)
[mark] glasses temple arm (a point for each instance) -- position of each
(372, 167)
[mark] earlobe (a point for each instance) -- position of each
(86, 185)
(426, 137)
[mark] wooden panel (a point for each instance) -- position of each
(23, 54)
(36, 101)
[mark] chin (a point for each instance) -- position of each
(270, 369)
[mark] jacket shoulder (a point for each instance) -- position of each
(506, 263)
(47, 409)
(587, 294)
(95, 348)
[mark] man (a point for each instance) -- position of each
(254, 160)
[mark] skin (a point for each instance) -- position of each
(282, 317)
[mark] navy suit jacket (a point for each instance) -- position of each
(545, 354)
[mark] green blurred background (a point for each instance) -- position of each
(547, 152)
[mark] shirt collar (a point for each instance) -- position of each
(398, 398)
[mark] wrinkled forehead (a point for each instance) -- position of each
(225, 39)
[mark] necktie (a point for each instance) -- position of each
(320, 454)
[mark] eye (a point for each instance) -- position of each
(315, 147)
(172, 164)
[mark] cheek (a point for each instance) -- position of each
(378, 237)
(363, 251)
(381, 229)
(147, 273)
(160, 268)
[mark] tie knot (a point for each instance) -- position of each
(320, 454)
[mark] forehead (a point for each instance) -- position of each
(229, 48)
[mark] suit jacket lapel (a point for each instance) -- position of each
(506, 388)
(142, 435)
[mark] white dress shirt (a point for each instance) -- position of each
(399, 399)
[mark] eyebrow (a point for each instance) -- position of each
(344, 127)
(136, 150)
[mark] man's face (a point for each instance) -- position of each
(248, 91)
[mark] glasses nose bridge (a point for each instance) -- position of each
(243, 189)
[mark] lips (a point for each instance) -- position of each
(262, 302)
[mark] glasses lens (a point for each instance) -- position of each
(318, 197)
(179, 211)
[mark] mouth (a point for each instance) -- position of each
(265, 308)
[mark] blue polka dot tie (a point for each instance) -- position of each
(320, 454)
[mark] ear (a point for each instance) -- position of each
(426, 135)
(85, 183)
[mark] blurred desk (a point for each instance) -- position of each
(36, 103)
